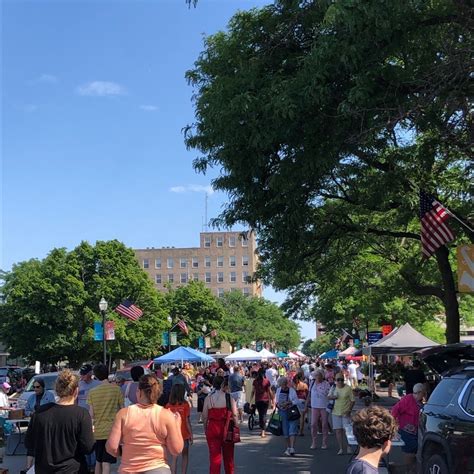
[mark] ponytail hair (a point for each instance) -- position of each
(150, 387)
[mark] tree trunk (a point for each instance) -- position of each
(450, 301)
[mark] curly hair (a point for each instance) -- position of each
(66, 383)
(373, 426)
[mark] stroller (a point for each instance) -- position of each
(251, 412)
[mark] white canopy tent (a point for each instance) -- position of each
(292, 355)
(266, 354)
(244, 354)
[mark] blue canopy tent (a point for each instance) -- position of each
(183, 354)
(332, 354)
(282, 355)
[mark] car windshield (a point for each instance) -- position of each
(445, 392)
(49, 382)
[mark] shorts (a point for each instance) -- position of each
(339, 422)
(410, 440)
(159, 470)
(101, 455)
(237, 396)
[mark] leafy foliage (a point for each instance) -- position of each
(50, 305)
(325, 119)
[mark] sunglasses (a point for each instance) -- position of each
(339, 380)
(36, 386)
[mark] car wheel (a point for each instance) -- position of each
(436, 464)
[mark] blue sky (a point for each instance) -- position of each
(93, 103)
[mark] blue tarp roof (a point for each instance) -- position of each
(332, 354)
(183, 354)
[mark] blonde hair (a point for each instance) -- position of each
(66, 384)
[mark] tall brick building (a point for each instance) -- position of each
(223, 261)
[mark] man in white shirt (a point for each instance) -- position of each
(272, 376)
(4, 402)
(352, 367)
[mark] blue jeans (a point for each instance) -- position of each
(290, 428)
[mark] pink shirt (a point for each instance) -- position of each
(139, 428)
(407, 412)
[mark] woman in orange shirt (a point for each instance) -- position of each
(145, 430)
(179, 405)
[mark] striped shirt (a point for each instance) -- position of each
(105, 401)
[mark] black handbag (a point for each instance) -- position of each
(293, 413)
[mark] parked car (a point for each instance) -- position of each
(125, 374)
(446, 429)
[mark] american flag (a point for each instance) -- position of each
(434, 231)
(129, 310)
(183, 327)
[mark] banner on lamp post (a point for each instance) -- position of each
(110, 330)
(465, 257)
(98, 331)
(165, 339)
(208, 342)
(201, 342)
(174, 338)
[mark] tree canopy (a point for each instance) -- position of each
(50, 305)
(253, 319)
(325, 120)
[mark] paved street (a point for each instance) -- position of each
(254, 454)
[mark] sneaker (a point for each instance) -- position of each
(348, 451)
(340, 452)
(324, 446)
(292, 451)
(313, 446)
(287, 452)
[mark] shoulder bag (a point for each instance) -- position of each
(275, 424)
(231, 430)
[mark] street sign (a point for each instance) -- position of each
(165, 339)
(373, 336)
(386, 329)
(98, 332)
(110, 330)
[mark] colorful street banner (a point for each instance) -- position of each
(98, 332)
(207, 342)
(465, 254)
(259, 346)
(165, 339)
(201, 342)
(110, 330)
(174, 338)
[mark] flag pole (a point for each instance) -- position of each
(470, 229)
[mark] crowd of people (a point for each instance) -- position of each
(147, 422)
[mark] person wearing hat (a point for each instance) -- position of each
(86, 383)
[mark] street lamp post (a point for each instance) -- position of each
(103, 308)
(170, 320)
(204, 329)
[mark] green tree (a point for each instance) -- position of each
(50, 305)
(252, 319)
(196, 305)
(325, 119)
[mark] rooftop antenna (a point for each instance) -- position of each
(206, 229)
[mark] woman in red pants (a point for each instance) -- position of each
(214, 415)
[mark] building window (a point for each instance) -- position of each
(158, 278)
(220, 277)
(245, 277)
(207, 241)
(245, 241)
(220, 292)
(183, 263)
(195, 261)
(196, 276)
(146, 263)
(220, 261)
(184, 278)
(158, 262)
(207, 262)
(232, 241)
(232, 261)
(245, 261)
(219, 241)
(170, 262)
(246, 291)
(170, 278)
(208, 277)
(232, 277)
